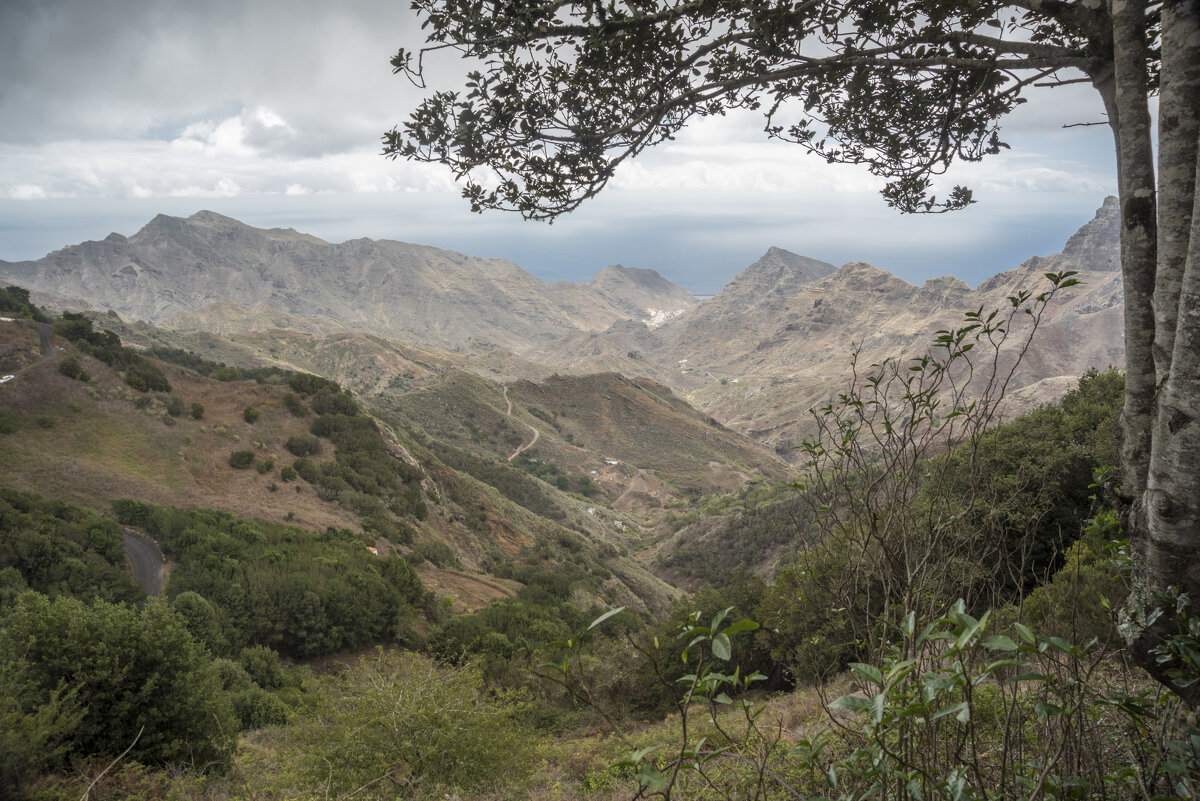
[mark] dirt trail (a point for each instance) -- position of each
(536, 433)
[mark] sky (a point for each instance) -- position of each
(271, 111)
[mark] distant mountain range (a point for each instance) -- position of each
(756, 356)
(213, 273)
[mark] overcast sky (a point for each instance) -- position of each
(272, 111)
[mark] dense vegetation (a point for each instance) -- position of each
(14, 301)
(106, 346)
(59, 550)
(302, 594)
(243, 592)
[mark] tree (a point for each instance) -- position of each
(567, 91)
(131, 670)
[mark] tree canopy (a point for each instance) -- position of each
(565, 91)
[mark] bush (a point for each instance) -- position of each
(69, 366)
(197, 411)
(250, 414)
(265, 465)
(132, 669)
(241, 460)
(45, 421)
(400, 714)
(7, 424)
(262, 665)
(256, 708)
(288, 473)
(303, 445)
(295, 405)
(174, 406)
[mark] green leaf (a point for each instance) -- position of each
(868, 672)
(637, 756)
(1047, 709)
(719, 618)
(877, 705)
(745, 624)
(605, 617)
(954, 709)
(1060, 644)
(721, 647)
(1026, 635)
(998, 642)
(851, 703)
(650, 777)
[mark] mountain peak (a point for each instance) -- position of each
(780, 272)
(214, 220)
(1097, 245)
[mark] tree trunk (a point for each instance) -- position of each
(1129, 115)
(1164, 524)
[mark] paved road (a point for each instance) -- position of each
(147, 560)
(44, 332)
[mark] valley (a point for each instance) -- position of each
(383, 444)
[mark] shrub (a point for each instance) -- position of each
(133, 669)
(197, 411)
(174, 406)
(240, 460)
(303, 445)
(288, 473)
(69, 367)
(45, 421)
(250, 414)
(262, 665)
(7, 424)
(401, 714)
(265, 465)
(295, 405)
(256, 708)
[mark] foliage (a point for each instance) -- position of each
(106, 347)
(540, 613)
(197, 411)
(57, 549)
(69, 366)
(900, 529)
(952, 711)
(738, 532)
(16, 299)
(565, 92)
(301, 593)
(35, 727)
(241, 460)
(553, 475)
(396, 724)
(250, 414)
(1077, 603)
(303, 445)
(134, 670)
(508, 480)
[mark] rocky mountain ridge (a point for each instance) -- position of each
(756, 357)
(210, 272)
(759, 360)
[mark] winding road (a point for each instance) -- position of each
(147, 560)
(536, 433)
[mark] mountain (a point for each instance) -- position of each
(773, 343)
(756, 357)
(88, 442)
(213, 273)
